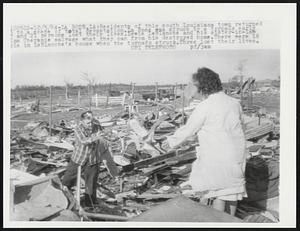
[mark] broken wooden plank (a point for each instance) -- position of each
(155, 196)
(106, 217)
(49, 162)
(36, 181)
(258, 131)
(18, 177)
(157, 159)
(151, 170)
(147, 162)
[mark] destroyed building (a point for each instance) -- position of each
(151, 183)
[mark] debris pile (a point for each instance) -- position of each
(149, 175)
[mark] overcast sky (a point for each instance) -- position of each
(167, 67)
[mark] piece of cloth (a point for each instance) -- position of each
(90, 173)
(221, 158)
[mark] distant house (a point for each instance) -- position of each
(265, 89)
(275, 83)
(236, 78)
(264, 83)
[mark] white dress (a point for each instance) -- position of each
(221, 157)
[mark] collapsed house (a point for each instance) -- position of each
(151, 185)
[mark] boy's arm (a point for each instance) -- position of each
(81, 137)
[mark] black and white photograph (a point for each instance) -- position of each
(147, 122)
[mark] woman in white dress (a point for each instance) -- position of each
(220, 165)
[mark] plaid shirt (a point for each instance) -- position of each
(85, 152)
(92, 153)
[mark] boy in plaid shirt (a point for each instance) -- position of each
(90, 151)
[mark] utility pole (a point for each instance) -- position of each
(96, 99)
(156, 92)
(229, 90)
(50, 110)
(182, 113)
(250, 93)
(156, 100)
(108, 95)
(90, 96)
(241, 87)
(132, 90)
(132, 98)
(175, 96)
(66, 91)
(241, 68)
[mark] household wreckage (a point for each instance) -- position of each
(150, 186)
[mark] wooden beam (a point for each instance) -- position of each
(108, 217)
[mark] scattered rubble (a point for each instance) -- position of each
(150, 187)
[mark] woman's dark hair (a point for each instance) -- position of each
(208, 82)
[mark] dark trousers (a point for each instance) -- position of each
(91, 174)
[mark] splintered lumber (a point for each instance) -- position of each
(187, 154)
(35, 181)
(106, 217)
(186, 157)
(152, 160)
(259, 131)
(37, 145)
(151, 170)
(63, 145)
(257, 218)
(19, 177)
(157, 159)
(49, 162)
(147, 162)
(155, 196)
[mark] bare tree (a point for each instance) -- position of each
(241, 70)
(241, 66)
(68, 85)
(91, 81)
